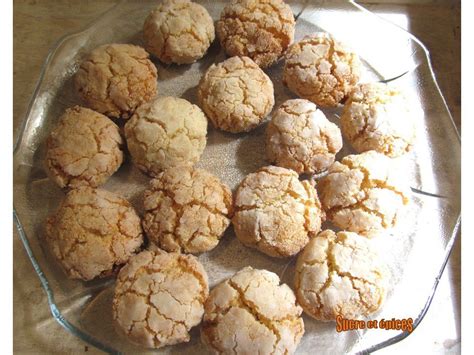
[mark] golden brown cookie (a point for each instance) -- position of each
(159, 297)
(378, 117)
(187, 210)
(321, 69)
(300, 137)
(275, 212)
(340, 274)
(93, 232)
(84, 149)
(259, 29)
(114, 79)
(166, 132)
(236, 95)
(364, 194)
(178, 31)
(251, 313)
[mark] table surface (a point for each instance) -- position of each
(38, 24)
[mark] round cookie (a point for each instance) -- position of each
(301, 138)
(378, 117)
(339, 274)
(364, 194)
(114, 79)
(93, 232)
(251, 313)
(159, 297)
(275, 212)
(186, 210)
(236, 94)
(166, 132)
(178, 31)
(84, 149)
(259, 29)
(321, 69)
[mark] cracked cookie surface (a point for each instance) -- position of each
(339, 274)
(275, 212)
(252, 313)
(114, 79)
(259, 29)
(159, 297)
(378, 117)
(321, 69)
(187, 210)
(300, 137)
(364, 193)
(84, 149)
(93, 232)
(166, 132)
(178, 31)
(236, 94)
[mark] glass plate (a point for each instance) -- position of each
(417, 252)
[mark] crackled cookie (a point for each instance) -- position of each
(301, 138)
(364, 193)
(93, 232)
(251, 313)
(178, 31)
(166, 132)
(275, 212)
(84, 149)
(236, 94)
(114, 79)
(187, 210)
(339, 274)
(378, 117)
(259, 29)
(321, 69)
(159, 297)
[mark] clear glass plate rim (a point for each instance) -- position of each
(56, 313)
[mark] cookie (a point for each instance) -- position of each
(251, 313)
(84, 149)
(178, 31)
(186, 210)
(275, 212)
(236, 95)
(159, 297)
(114, 79)
(259, 29)
(340, 274)
(378, 117)
(301, 138)
(321, 69)
(364, 194)
(166, 132)
(93, 232)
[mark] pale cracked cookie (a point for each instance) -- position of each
(251, 313)
(159, 297)
(340, 274)
(178, 31)
(321, 69)
(166, 132)
(236, 94)
(378, 117)
(259, 29)
(364, 193)
(187, 210)
(300, 137)
(275, 212)
(114, 79)
(84, 149)
(93, 232)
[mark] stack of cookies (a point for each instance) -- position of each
(162, 290)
